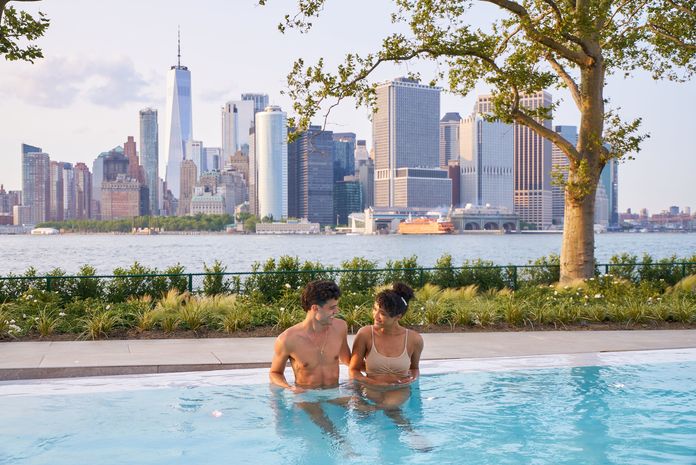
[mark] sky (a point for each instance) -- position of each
(106, 60)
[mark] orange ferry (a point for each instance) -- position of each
(426, 226)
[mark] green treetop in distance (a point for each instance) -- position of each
(17, 28)
(533, 46)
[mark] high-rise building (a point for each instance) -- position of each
(56, 182)
(260, 101)
(294, 177)
(195, 153)
(233, 189)
(69, 192)
(344, 155)
(83, 192)
(252, 180)
(188, 178)
(36, 191)
(609, 179)
(124, 197)
(405, 128)
(149, 155)
(131, 153)
(560, 164)
(347, 199)
(271, 163)
(114, 163)
(237, 119)
(533, 197)
(361, 153)
(178, 126)
(213, 158)
(365, 172)
(239, 163)
(486, 162)
(449, 138)
(315, 176)
(5, 208)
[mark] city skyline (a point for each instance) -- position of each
(84, 97)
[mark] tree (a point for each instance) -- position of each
(535, 45)
(17, 25)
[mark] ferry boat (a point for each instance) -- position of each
(426, 226)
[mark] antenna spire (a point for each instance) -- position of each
(178, 45)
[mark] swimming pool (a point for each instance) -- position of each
(612, 408)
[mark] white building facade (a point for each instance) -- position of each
(271, 160)
(178, 123)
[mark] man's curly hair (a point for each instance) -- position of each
(319, 292)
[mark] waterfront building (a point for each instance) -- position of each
(533, 197)
(252, 180)
(347, 198)
(422, 188)
(560, 164)
(149, 155)
(405, 128)
(36, 191)
(234, 190)
(601, 208)
(315, 175)
(260, 101)
(56, 191)
(83, 192)
(365, 172)
(209, 181)
(196, 153)
(609, 178)
(69, 192)
(114, 163)
(207, 203)
(188, 178)
(123, 197)
(454, 173)
(301, 226)
(239, 163)
(178, 126)
(271, 163)
(131, 153)
(22, 215)
(486, 161)
(5, 207)
(237, 119)
(449, 138)
(344, 155)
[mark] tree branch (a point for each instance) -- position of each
(580, 58)
(665, 35)
(566, 147)
(567, 79)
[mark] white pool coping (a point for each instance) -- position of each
(253, 376)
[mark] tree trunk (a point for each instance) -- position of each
(577, 252)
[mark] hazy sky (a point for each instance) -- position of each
(105, 60)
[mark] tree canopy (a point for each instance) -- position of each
(18, 29)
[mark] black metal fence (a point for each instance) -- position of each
(271, 284)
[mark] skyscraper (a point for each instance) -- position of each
(344, 155)
(533, 197)
(405, 129)
(237, 118)
(315, 176)
(195, 153)
(56, 183)
(149, 154)
(188, 179)
(36, 192)
(69, 192)
(271, 160)
(449, 138)
(347, 198)
(610, 179)
(178, 126)
(260, 101)
(83, 192)
(213, 157)
(486, 162)
(559, 164)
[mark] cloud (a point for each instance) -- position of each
(217, 96)
(59, 82)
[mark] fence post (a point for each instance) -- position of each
(421, 277)
(683, 270)
(606, 269)
(514, 277)
(48, 283)
(190, 283)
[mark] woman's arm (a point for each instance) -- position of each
(416, 355)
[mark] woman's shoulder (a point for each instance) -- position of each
(415, 337)
(364, 331)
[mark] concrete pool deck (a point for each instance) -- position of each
(31, 360)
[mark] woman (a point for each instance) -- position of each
(386, 355)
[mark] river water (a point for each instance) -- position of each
(238, 252)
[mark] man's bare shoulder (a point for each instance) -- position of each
(339, 325)
(291, 334)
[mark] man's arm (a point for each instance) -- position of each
(344, 353)
(281, 354)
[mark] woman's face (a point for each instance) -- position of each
(382, 319)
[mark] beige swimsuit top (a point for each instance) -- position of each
(378, 364)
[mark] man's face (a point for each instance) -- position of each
(325, 313)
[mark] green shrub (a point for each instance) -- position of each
(214, 282)
(444, 274)
(545, 270)
(360, 276)
(405, 270)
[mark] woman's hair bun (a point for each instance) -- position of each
(403, 290)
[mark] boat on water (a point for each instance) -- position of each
(426, 226)
(44, 231)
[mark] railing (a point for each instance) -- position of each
(119, 287)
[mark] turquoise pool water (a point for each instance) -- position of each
(620, 414)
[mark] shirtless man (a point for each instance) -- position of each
(314, 347)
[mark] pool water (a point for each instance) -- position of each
(607, 414)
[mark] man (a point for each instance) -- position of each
(316, 345)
